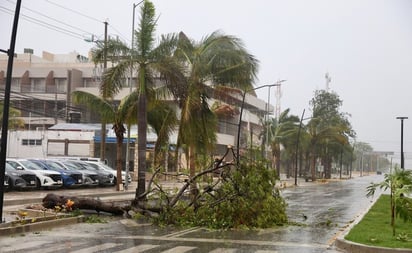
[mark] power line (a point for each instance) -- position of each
(56, 20)
(44, 24)
(89, 17)
(74, 11)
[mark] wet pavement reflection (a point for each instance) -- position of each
(318, 214)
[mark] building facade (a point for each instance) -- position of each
(41, 89)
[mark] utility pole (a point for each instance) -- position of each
(103, 130)
(6, 105)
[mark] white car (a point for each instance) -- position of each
(102, 166)
(45, 178)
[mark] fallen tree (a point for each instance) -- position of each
(226, 195)
(69, 203)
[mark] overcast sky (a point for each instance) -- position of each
(364, 45)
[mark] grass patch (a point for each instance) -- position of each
(375, 228)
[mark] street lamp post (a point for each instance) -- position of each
(126, 183)
(297, 148)
(241, 113)
(402, 155)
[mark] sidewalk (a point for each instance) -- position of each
(104, 193)
(285, 182)
(36, 196)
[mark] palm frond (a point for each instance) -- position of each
(146, 30)
(95, 103)
(114, 79)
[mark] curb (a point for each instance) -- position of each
(42, 225)
(353, 247)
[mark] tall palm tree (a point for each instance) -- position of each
(149, 62)
(216, 60)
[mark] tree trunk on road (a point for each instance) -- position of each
(70, 203)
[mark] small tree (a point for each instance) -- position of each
(400, 184)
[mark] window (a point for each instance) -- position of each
(61, 85)
(31, 142)
(15, 84)
(38, 85)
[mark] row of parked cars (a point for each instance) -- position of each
(55, 173)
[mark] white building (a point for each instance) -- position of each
(41, 88)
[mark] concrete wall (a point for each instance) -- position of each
(29, 144)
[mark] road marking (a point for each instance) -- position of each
(226, 241)
(97, 248)
(266, 251)
(223, 250)
(22, 245)
(64, 247)
(137, 249)
(179, 249)
(183, 232)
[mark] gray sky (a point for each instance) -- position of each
(365, 45)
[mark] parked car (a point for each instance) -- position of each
(44, 178)
(70, 178)
(90, 178)
(20, 179)
(105, 178)
(101, 166)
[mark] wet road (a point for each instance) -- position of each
(321, 213)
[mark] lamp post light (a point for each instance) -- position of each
(126, 183)
(402, 155)
(241, 113)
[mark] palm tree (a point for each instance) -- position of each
(149, 62)
(322, 139)
(281, 132)
(399, 182)
(108, 113)
(217, 60)
(162, 118)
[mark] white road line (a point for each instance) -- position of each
(22, 245)
(97, 248)
(266, 251)
(183, 232)
(138, 249)
(223, 250)
(64, 247)
(226, 241)
(179, 249)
